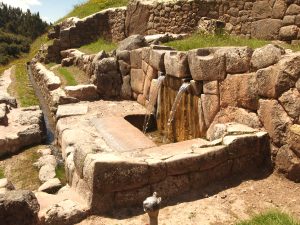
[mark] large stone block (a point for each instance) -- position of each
(275, 120)
(19, 208)
(261, 10)
(136, 59)
(109, 84)
(290, 65)
(266, 56)
(288, 33)
(176, 64)
(266, 29)
(207, 64)
(210, 106)
(132, 197)
(290, 101)
(239, 90)
(279, 9)
(112, 173)
(237, 59)
(126, 91)
(272, 82)
(233, 114)
(156, 59)
(288, 163)
(137, 80)
(86, 92)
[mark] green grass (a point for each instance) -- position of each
(61, 174)
(198, 40)
(2, 175)
(97, 46)
(92, 6)
(67, 76)
(21, 88)
(271, 218)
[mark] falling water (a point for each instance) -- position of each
(175, 106)
(152, 101)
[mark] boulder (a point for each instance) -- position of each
(261, 10)
(176, 64)
(294, 139)
(66, 212)
(51, 186)
(275, 120)
(290, 101)
(233, 114)
(272, 82)
(266, 56)
(239, 90)
(290, 65)
(237, 59)
(288, 20)
(47, 172)
(288, 163)
(206, 64)
(67, 61)
(137, 17)
(84, 92)
(108, 84)
(132, 42)
(106, 65)
(19, 208)
(279, 9)
(288, 33)
(293, 9)
(266, 29)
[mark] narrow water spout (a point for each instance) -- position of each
(152, 101)
(175, 106)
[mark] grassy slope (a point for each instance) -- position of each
(93, 6)
(97, 46)
(208, 40)
(271, 218)
(67, 76)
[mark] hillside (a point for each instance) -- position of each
(18, 30)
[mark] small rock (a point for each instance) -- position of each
(45, 151)
(46, 160)
(47, 172)
(51, 186)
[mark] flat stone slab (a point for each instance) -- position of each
(120, 135)
(71, 110)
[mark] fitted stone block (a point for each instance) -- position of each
(206, 64)
(176, 64)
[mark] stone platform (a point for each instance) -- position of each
(111, 164)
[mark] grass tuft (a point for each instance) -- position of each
(271, 218)
(2, 175)
(97, 46)
(67, 76)
(199, 40)
(61, 174)
(92, 6)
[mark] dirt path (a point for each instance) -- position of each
(236, 201)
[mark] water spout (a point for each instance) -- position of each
(152, 102)
(175, 106)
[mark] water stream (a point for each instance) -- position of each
(183, 88)
(152, 102)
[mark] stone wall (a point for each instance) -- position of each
(263, 19)
(108, 24)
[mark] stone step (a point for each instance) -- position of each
(120, 135)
